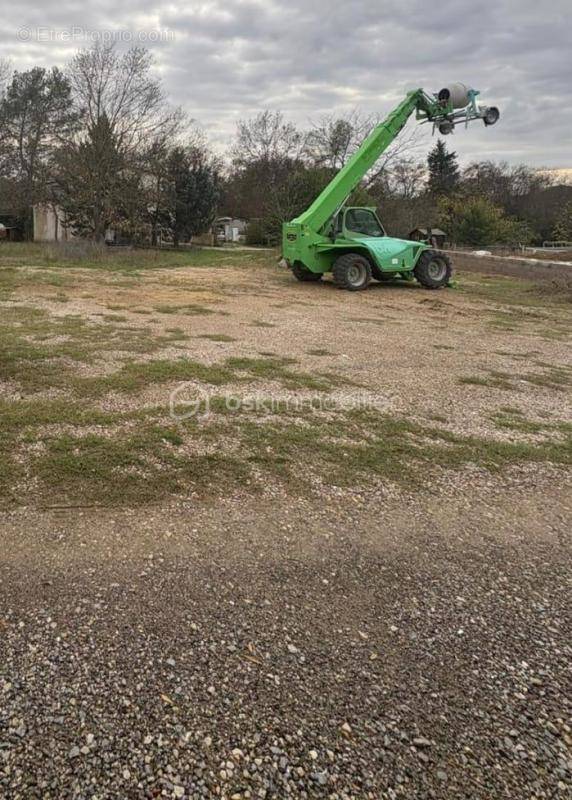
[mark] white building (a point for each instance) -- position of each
(229, 229)
(50, 224)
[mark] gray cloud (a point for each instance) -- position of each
(223, 60)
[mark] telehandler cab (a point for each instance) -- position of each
(351, 242)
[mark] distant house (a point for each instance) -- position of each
(229, 229)
(433, 236)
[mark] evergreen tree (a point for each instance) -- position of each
(192, 191)
(92, 181)
(443, 170)
(35, 113)
(562, 231)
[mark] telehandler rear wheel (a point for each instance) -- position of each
(302, 274)
(352, 271)
(433, 270)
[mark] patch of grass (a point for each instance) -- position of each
(503, 321)
(553, 377)
(552, 380)
(492, 381)
(514, 410)
(436, 417)
(69, 449)
(38, 349)
(13, 278)
(40, 352)
(135, 377)
(278, 369)
(130, 468)
(260, 323)
(319, 351)
(190, 309)
(19, 415)
(176, 335)
(374, 446)
(114, 318)
(134, 464)
(516, 421)
(217, 337)
(554, 334)
(517, 356)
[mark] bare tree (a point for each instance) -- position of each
(406, 178)
(267, 138)
(267, 150)
(333, 140)
(122, 88)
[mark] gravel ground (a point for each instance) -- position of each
(412, 649)
(374, 643)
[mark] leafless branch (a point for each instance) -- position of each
(122, 87)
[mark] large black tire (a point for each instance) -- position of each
(433, 270)
(352, 272)
(302, 274)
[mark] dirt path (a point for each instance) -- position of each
(268, 650)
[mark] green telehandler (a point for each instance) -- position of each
(351, 242)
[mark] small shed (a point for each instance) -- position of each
(229, 229)
(51, 224)
(433, 236)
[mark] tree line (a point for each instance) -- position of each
(278, 170)
(100, 141)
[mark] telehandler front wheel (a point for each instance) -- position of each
(433, 270)
(302, 274)
(352, 271)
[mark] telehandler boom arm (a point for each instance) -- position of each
(349, 177)
(440, 109)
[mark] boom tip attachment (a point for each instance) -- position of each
(457, 103)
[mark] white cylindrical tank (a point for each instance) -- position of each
(456, 93)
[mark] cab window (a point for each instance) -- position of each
(364, 221)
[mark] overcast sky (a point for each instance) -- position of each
(224, 60)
